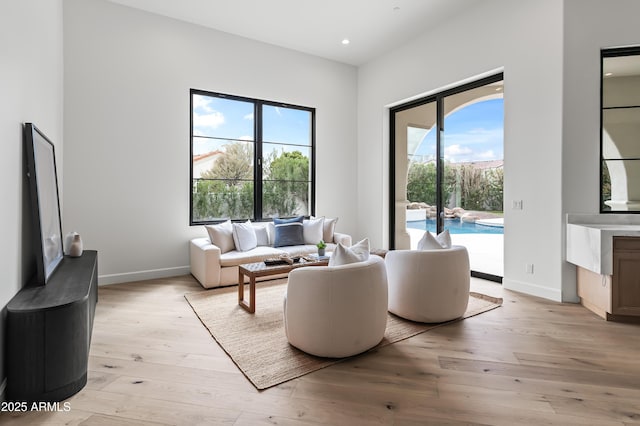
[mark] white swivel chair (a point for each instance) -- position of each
(428, 285)
(337, 311)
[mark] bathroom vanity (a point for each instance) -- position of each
(606, 251)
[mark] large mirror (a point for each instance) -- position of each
(620, 131)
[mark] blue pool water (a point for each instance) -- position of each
(455, 226)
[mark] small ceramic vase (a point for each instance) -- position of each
(75, 249)
(68, 239)
(321, 252)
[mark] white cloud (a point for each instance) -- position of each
(456, 150)
(248, 116)
(463, 154)
(204, 115)
(214, 119)
(202, 102)
(487, 155)
(246, 138)
(474, 145)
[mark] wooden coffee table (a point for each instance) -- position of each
(260, 269)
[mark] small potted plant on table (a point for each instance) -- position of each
(321, 247)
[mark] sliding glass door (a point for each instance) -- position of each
(447, 171)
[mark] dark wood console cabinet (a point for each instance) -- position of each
(49, 332)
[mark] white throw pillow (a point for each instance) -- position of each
(244, 236)
(444, 238)
(328, 228)
(262, 234)
(271, 232)
(429, 242)
(312, 230)
(359, 252)
(221, 235)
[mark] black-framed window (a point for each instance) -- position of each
(619, 121)
(250, 158)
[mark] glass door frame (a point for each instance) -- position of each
(438, 98)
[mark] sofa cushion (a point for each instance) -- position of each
(312, 230)
(221, 235)
(300, 250)
(244, 236)
(258, 254)
(359, 252)
(289, 232)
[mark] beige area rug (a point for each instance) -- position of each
(257, 343)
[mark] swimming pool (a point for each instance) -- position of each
(455, 226)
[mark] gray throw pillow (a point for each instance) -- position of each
(289, 232)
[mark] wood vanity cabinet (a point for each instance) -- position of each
(625, 288)
(614, 297)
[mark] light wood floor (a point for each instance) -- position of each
(529, 362)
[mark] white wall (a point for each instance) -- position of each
(30, 91)
(524, 39)
(127, 75)
(590, 25)
(127, 80)
(550, 55)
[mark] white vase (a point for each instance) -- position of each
(68, 239)
(75, 249)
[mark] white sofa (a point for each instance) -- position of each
(337, 311)
(213, 268)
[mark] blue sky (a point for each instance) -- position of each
(473, 133)
(231, 119)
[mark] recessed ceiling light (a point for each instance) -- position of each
(345, 41)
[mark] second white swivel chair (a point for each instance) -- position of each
(428, 286)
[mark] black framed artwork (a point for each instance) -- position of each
(45, 202)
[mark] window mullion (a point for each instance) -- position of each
(439, 164)
(258, 161)
(313, 164)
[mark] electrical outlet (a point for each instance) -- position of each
(516, 204)
(529, 268)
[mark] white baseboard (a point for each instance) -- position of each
(143, 275)
(533, 289)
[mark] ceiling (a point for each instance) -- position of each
(373, 27)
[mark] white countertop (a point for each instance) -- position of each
(590, 239)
